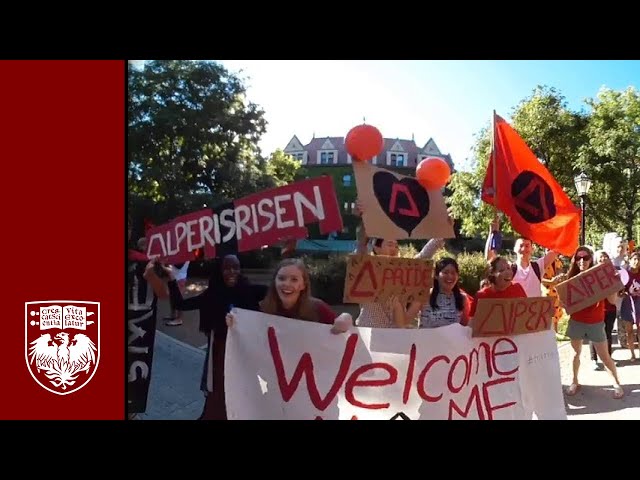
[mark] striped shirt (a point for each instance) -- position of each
(380, 315)
(445, 314)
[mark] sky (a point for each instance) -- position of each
(449, 101)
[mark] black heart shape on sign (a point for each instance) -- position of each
(404, 201)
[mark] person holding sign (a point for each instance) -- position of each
(391, 313)
(447, 304)
(630, 306)
(609, 318)
(500, 276)
(588, 323)
(550, 279)
(289, 296)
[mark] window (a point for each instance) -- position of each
(346, 180)
(326, 158)
(400, 160)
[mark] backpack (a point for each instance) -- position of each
(534, 265)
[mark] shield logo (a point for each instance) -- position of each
(62, 343)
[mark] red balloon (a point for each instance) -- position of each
(433, 173)
(364, 142)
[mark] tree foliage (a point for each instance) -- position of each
(604, 142)
(193, 138)
(611, 156)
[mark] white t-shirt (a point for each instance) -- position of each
(528, 279)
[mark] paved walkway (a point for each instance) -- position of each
(174, 392)
(594, 399)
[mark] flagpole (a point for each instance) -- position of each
(493, 161)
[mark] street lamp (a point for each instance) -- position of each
(583, 184)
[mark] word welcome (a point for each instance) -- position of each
(459, 374)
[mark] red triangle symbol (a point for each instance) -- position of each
(368, 268)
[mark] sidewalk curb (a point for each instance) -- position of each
(180, 343)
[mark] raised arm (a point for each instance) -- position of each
(549, 258)
(430, 248)
(361, 241)
(361, 236)
(489, 253)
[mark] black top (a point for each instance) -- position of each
(214, 303)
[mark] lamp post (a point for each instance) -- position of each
(583, 184)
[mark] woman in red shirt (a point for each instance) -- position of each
(289, 296)
(588, 323)
(500, 276)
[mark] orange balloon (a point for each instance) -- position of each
(364, 142)
(433, 173)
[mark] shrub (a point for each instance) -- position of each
(328, 276)
(472, 270)
(407, 251)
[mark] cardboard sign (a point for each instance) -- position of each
(398, 207)
(264, 218)
(372, 279)
(589, 287)
(512, 316)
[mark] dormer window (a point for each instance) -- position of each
(327, 157)
(398, 160)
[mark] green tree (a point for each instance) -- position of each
(612, 158)
(282, 167)
(473, 215)
(192, 134)
(552, 131)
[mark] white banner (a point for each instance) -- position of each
(279, 368)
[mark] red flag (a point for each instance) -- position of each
(528, 194)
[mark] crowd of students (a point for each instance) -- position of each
(289, 294)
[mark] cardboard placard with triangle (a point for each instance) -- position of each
(372, 279)
(398, 207)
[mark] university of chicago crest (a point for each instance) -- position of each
(62, 343)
